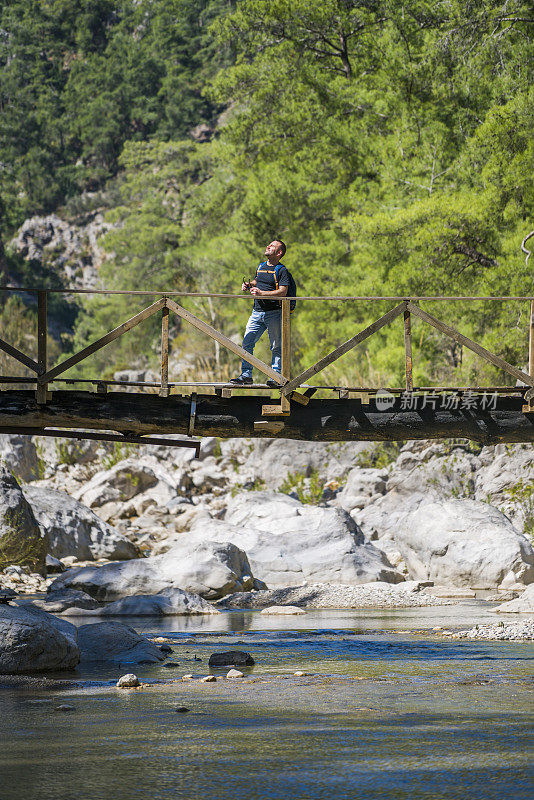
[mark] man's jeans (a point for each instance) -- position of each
(260, 321)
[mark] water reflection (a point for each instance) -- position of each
(384, 715)
(464, 614)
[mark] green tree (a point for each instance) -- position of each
(349, 134)
(79, 78)
(389, 145)
(149, 246)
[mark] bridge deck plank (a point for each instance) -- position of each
(321, 420)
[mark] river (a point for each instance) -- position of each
(388, 710)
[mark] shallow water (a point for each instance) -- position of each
(384, 713)
(460, 615)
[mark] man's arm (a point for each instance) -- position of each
(280, 292)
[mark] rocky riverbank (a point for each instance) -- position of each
(106, 530)
(316, 596)
(505, 631)
(346, 513)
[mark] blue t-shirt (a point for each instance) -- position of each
(268, 282)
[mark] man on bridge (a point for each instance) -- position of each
(271, 283)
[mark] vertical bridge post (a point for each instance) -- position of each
(164, 390)
(42, 335)
(408, 350)
(286, 347)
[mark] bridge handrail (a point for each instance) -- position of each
(407, 307)
(242, 296)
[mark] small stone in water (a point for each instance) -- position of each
(208, 679)
(188, 677)
(181, 710)
(234, 673)
(171, 664)
(64, 708)
(299, 673)
(231, 658)
(165, 648)
(129, 681)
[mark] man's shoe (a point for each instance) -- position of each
(272, 384)
(241, 380)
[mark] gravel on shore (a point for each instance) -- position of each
(325, 595)
(507, 631)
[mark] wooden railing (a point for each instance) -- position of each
(406, 307)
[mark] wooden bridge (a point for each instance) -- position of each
(46, 402)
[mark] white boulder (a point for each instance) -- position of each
(209, 569)
(172, 602)
(129, 479)
(521, 605)
(362, 486)
(289, 543)
(75, 530)
(464, 543)
(129, 681)
(283, 610)
(234, 673)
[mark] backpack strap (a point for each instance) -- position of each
(293, 301)
(276, 273)
(268, 271)
(260, 269)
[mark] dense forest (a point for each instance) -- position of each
(389, 143)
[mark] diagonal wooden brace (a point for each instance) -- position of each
(200, 325)
(102, 342)
(344, 348)
(19, 356)
(471, 345)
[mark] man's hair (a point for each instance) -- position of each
(282, 245)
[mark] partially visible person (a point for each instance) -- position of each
(268, 287)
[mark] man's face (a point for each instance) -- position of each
(273, 249)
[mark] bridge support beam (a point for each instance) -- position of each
(320, 420)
